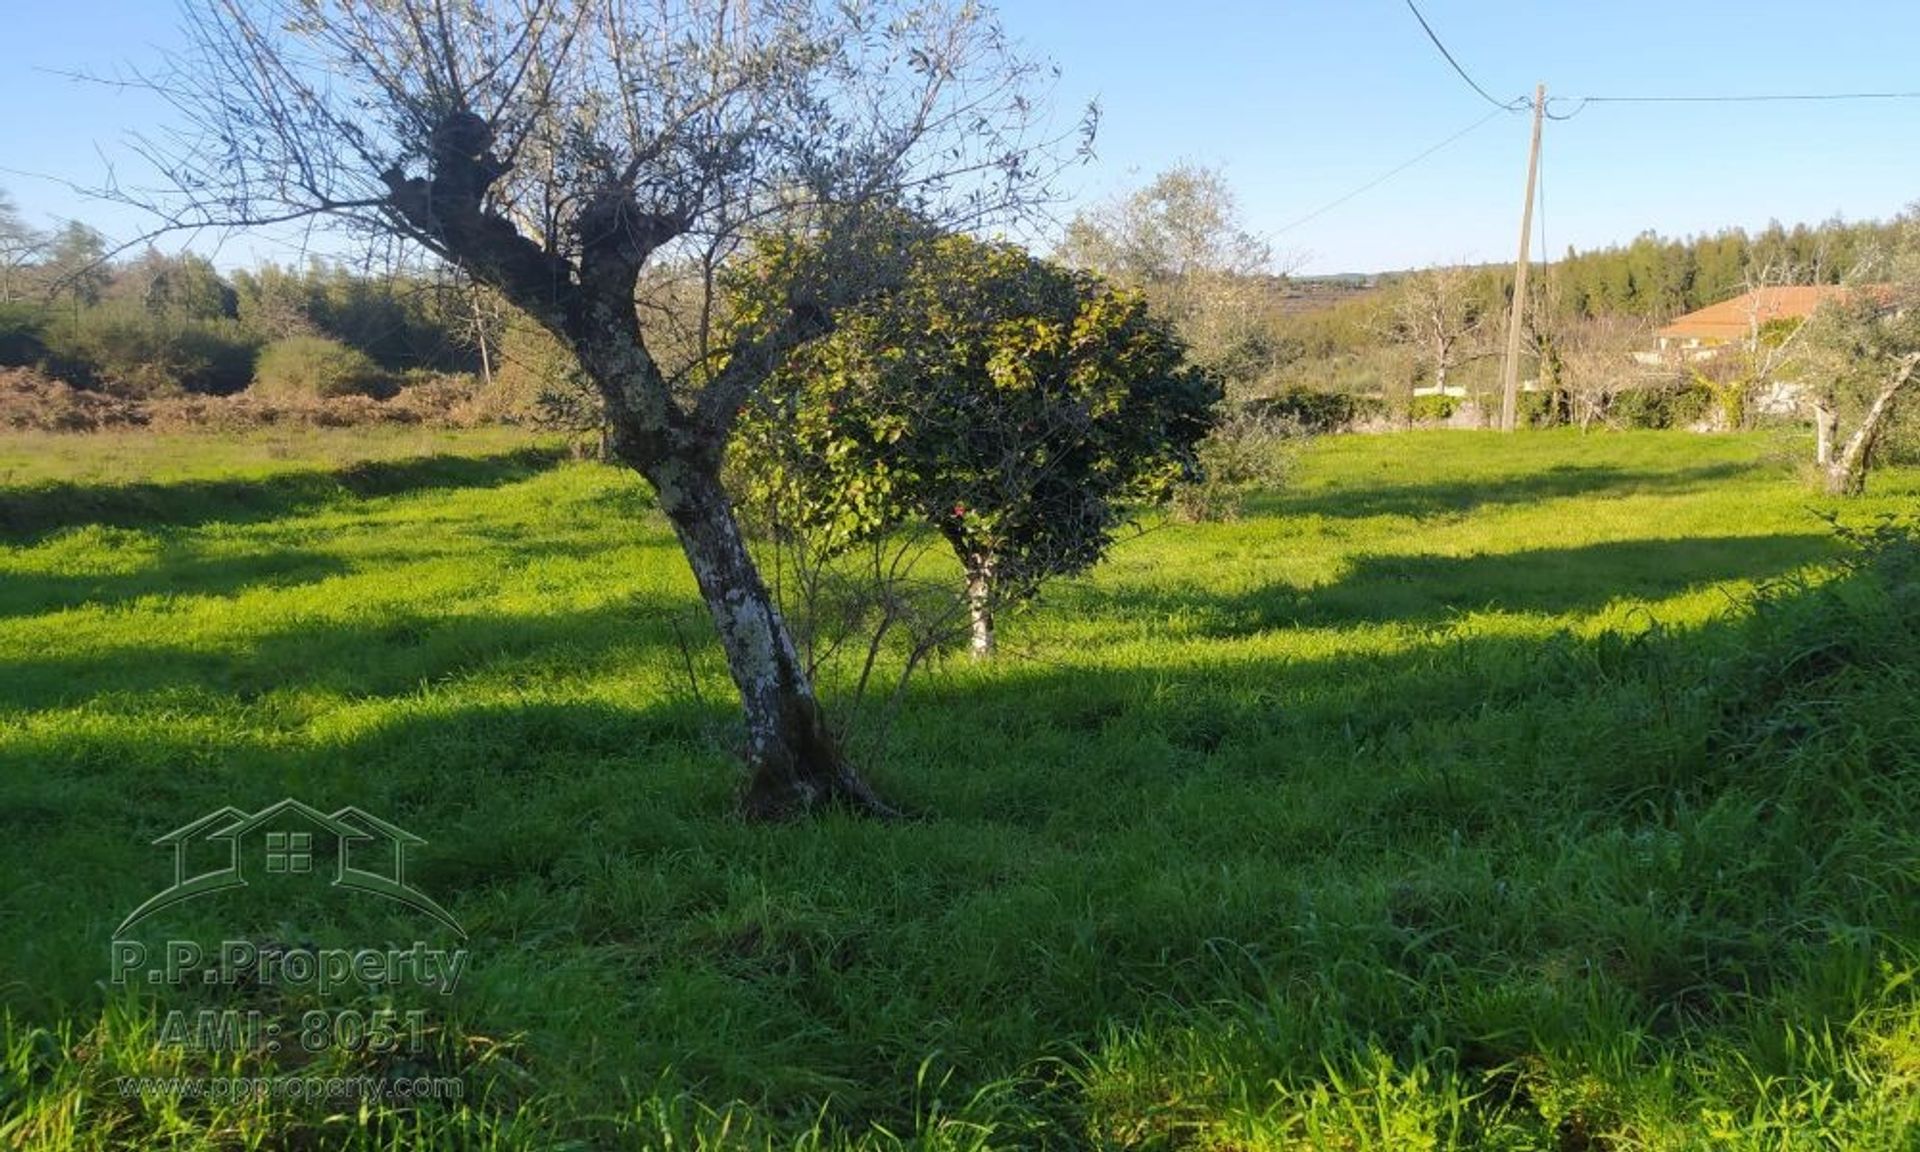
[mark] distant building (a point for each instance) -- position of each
(1702, 334)
(1731, 330)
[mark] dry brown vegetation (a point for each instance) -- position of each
(31, 401)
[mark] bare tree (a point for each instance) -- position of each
(1436, 314)
(565, 152)
(1596, 362)
(20, 245)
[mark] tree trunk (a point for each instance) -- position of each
(980, 604)
(480, 338)
(794, 763)
(1826, 428)
(1847, 476)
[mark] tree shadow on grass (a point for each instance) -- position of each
(1421, 588)
(1540, 581)
(1564, 751)
(34, 593)
(29, 513)
(394, 654)
(1367, 497)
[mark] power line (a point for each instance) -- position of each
(1759, 99)
(1580, 103)
(1390, 174)
(1509, 106)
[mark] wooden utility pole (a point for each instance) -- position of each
(1510, 371)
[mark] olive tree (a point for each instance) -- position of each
(563, 152)
(1017, 408)
(1182, 240)
(1862, 361)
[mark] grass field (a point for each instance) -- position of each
(1544, 792)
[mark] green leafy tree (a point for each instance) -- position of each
(1185, 223)
(76, 266)
(1017, 407)
(275, 303)
(159, 325)
(1720, 267)
(183, 287)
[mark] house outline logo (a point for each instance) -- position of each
(356, 834)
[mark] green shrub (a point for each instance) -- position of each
(1251, 447)
(126, 350)
(22, 335)
(1639, 408)
(317, 368)
(1366, 408)
(1542, 409)
(1674, 406)
(1432, 409)
(1311, 410)
(212, 357)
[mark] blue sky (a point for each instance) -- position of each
(1300, 103)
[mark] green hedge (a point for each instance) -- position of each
(1312, 411)
(1677, 406)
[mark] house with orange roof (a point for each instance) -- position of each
(1699, 335)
